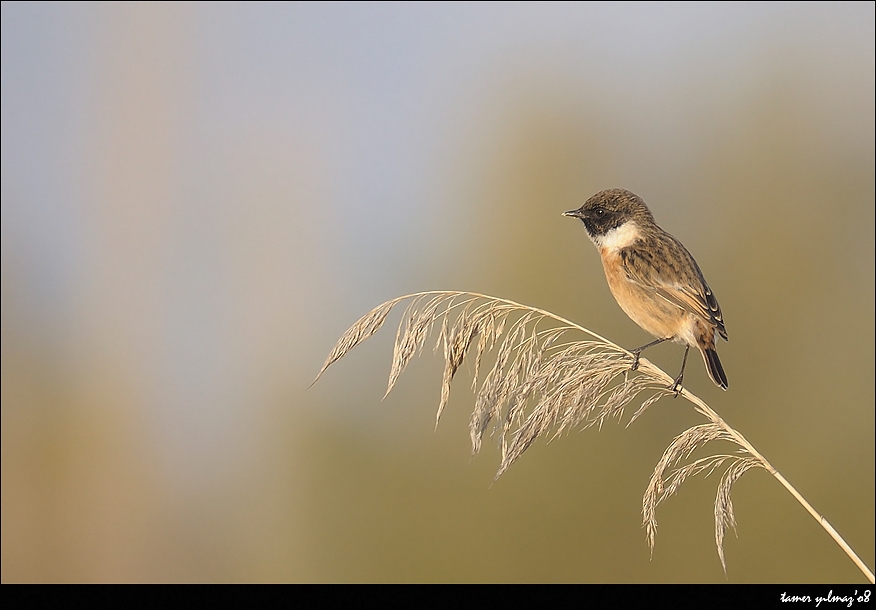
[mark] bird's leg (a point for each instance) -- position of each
(677, 383)
(638, 351)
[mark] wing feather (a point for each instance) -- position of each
(662, 265)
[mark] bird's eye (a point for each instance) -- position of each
(600, 212)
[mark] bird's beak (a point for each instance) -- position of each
(579, 213)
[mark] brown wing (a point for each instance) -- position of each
(663, 265)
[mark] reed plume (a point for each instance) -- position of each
(550, 375)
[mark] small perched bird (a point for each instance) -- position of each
(653, 278)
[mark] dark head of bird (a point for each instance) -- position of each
(607, 210)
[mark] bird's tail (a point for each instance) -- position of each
(713, 366)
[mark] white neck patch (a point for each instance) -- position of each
(620, 237)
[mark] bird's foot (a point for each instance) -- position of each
(636, 355)
(638, 351)
(675, 387)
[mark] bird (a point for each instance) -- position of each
(654, 279)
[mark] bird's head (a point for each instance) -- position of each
(609, 210)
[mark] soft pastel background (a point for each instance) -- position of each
(197, 200)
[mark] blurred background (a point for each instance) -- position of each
(198, 199)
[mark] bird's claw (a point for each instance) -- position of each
(635, 364)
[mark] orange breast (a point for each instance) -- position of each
(644, 307)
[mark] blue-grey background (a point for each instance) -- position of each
(198, 199)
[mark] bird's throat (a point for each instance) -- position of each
(618, 238)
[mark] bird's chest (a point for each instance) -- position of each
(644, 307)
